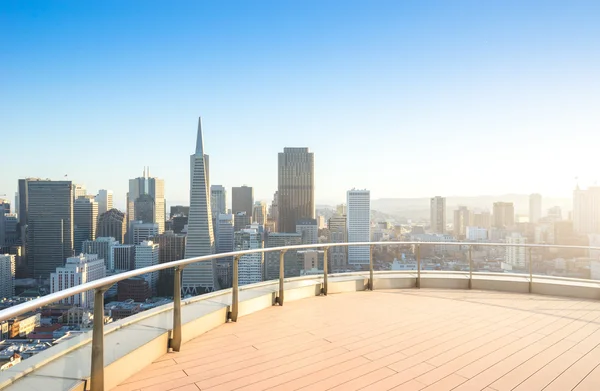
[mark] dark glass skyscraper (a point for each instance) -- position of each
(296, 187)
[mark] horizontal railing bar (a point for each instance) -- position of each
(22, 308)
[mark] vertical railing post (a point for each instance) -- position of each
(97, 369)
(371, 247)
(419, 266)
(325, 271)
(233, 315)
(530, 270)
(470, 267)
(175, 342)
(281, 276)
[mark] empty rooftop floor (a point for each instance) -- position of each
(394, 339)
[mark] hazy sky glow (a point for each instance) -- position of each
(407, 99)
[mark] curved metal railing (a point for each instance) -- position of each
(102, 285)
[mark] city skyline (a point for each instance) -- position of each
(500, 83)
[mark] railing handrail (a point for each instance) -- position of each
(32, 305)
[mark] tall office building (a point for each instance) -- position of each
(23, 201)
(199, 277)
(123, 257)
(76, 271)
(85, 219)
(463, 218)
(250, 265)
(179, 210)
(338, 233)
(504, 215)
(274, 209)
(147, 254)
(171, 247)
(103, 247)
(259, 213)
(104, 198)
(112, 223)
(149, 193)
(296, 187)
(535, 208)
(242, 200)
(309, 230)
(438, 214)
(78, 191)
(49, 226)
(241, 220)
(292, 265)
(218, 200)
(141, 231)
(7, 275)
(586, 210)
(2, 225)
(224, 234)
(359, 225)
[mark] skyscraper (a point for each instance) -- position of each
(586, 210)
(78, 191)
(112, 224)
(296, 187)
(103, 247)
(438, 214)
(309, 230)
(104, 198)
(291, 267)
(147, 254)
(171, 248)
(250, 265)
(241, 220)
(199, 277)
(359, 225)
(149, 193)
(504, 215)
(7, 275)
(242, 200)
(218, 200)
(224, 233)
(259, 213)
(338, 232)
(76, 271)
(50, 226)
(463, 218)
(535, 208)
(85, 219)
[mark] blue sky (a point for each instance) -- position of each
(407, 99)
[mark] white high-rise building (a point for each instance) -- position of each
(516, 256)
(147, 254)
(535, 208)
(359, 225)
(259, 213)
(586, 210)
(104, 198)
(78, 191)
(218, 200)
(7, 275)
(438, 215)
(78, 270)
(251, 265)
(102, 247)
(199, 277)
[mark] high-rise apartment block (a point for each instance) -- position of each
(438, 215)
(296, 187)
(516, 256)
(199, 277)
(242, 200)
(149, 194)
(218, 200)
(104, 198)
(103, 247)
(586, 210)
(147, 254)
(7, 275)
(359, 225)
(338, 233)
(85, 219)
(76, 271)
(463, 218)
(250, 265)
(482, 219)
(259, 213)
(291, 266)
(504, 215)
(49, 226)
(309, 230)
(112, 223)
(535, 208)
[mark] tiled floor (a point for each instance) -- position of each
(399, 339)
